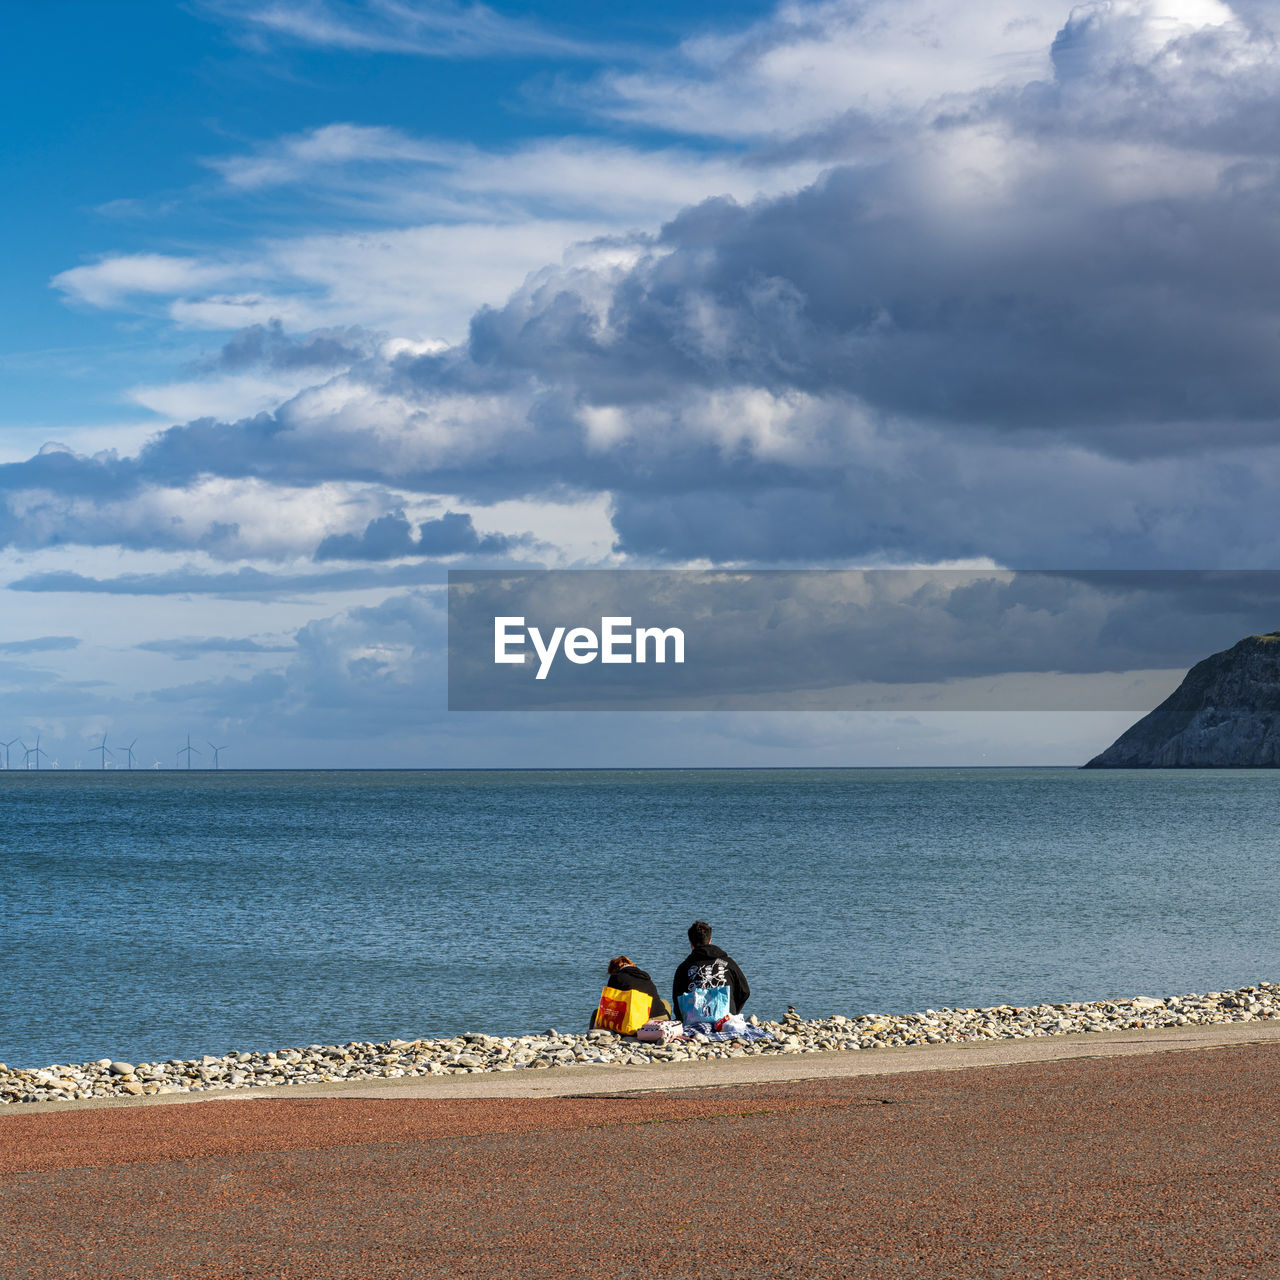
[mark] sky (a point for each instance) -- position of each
(310, 301)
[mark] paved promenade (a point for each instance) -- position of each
(1127, 1155)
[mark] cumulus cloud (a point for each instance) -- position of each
(1038, 327)
(1196, 73)
(391, 537)
(62, 499)
(873, 282)
(268, 346)
(420, 281)
(375, 669)
(439, 227)
(1043, 305)
(807, 64)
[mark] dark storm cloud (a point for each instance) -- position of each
(1067, 312)
(265, 446)
(68, 474)
(1041, 327)
(391, 536)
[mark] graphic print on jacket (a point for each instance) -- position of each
(714, 974)
(707, 968)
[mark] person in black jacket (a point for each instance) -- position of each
(625, 975)
(708, 966)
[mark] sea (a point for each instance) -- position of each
(156, 915)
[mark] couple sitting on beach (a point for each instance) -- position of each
(707, 995)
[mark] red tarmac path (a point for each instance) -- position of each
(1154, 1165)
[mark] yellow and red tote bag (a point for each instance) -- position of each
(623, 1012)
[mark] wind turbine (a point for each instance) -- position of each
(36, 751)
(129, 751)
(105, 750)
(6, 746)
(187, 750)
(215, 751)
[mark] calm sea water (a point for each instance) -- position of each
(155, 915)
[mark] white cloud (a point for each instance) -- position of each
(115, 279)
(575, 532)
(1124, 32)
(230, 519)
(427, 28)
(420, 282)
(456, 226)
(808, 63)
(301, 157)
(822, 373)
(89, 438)
(858, 76)
(390, 175)
(229, 398)
(1028, 318)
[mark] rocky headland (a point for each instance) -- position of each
(475, 1052)
(1224, 715)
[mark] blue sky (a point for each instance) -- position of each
(120, 114)
(311, 300)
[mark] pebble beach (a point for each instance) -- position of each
(475, 1052)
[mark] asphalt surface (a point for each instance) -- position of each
(1139, 1165)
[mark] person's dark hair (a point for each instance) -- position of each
(699, 933)
(620, 962)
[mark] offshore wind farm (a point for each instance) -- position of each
(122, 758)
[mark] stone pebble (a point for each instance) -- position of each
(473, 1052)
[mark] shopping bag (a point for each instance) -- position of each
(704, 1004)
(623, 1012)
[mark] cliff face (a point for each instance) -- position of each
(1224, 715)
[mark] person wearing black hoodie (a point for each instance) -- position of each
(708, 966)
(626, 975)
